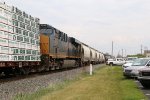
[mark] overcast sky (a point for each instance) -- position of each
(96, 22)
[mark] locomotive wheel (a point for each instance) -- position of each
(8, 72)
(52, 68)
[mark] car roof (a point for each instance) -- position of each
(132, 57)
(144, 58)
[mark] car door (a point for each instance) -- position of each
(119, 61)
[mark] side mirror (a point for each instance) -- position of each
(148, 65)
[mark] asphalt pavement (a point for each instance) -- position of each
(145, 91)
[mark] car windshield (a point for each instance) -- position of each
(131, 59)
(140, 62)
(110, 59)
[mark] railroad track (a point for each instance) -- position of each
(10, 78)
(12, 86)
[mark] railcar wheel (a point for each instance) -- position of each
(77, 64)
(145, 84)
(24, 71)
(47, 68)
(6, 73)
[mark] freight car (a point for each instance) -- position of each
(19, 40)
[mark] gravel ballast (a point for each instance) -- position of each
(9, 90)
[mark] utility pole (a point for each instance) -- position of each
(125, 53)
(141, 49)
(112, 48)
(122, 52)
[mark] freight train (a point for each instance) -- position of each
(33, 47)
(58, 51)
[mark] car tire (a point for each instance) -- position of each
(145, 84)
(110, 64)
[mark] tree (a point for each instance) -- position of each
(137, 55)
(119, 56)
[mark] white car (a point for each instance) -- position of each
(127, 65)
(131, 59)
(116, 61)
(133, 70)
(129, 62)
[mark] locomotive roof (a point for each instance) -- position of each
(46, 26)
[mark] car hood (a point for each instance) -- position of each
(127, 64)
(129, 61)
(135, 67)
(147, 69)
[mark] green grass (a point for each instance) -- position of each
(37, 95)
(107, 83)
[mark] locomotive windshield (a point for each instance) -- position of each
(46, 29)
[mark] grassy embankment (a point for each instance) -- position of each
(107, 83)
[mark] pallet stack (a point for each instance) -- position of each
(19, 35)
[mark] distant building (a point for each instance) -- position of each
(147, 53)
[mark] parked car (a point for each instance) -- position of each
(144, 76)
(129, 62)
(127, 65)
(116, 61)
(131, 59)
(133, 70)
